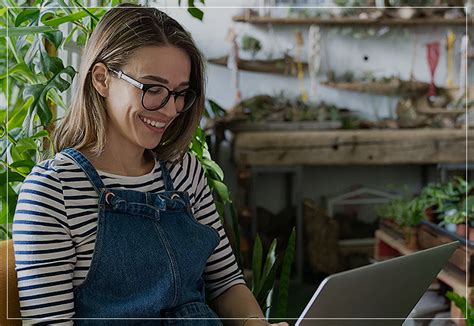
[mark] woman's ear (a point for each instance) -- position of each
(100, 78)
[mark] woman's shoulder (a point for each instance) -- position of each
(53, 167)
(189, 162)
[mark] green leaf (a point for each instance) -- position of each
(55, 38)
(70, 35)
(27, 14)
(81, 38)
(19, 31)
(12, 200)
(31, 53)
(235, 228)
(18, 116)
(40, 91)
(218, 110)
(49, 64)
(221, 189)
(63, 5)
(196, 13)
(268, 283)
(87, 11)
(65, 19)
(20, 69)
(284, 285)
(220, 210)
(271, 257)
(196, 148)
(25, 144)
(23, 166)
(257, 264)
(41, 134)
(12, 177)
(211, 165)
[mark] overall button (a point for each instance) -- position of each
(108, 197)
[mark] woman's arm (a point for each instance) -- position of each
(239, 302)
(44, 252)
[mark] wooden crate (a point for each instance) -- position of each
(430, 237)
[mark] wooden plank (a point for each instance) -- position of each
(276, 66)
(393, 87)
(397, 244)
(344, 147)
(462, 259)
(351, 21)
(449, 275)
(456, 281)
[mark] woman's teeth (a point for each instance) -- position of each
(155, 124)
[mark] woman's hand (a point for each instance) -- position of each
(260, 322)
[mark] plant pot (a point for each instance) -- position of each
(410, 235)
(451, 227)
(461, 231)
(431, 214)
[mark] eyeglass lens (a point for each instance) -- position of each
(156, 97)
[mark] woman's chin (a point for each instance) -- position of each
(150, 145)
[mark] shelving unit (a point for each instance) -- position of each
(352, 147)
(258, 151)
(351, 21)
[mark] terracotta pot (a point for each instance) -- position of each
(461, 231)
(431, 215)
(411, 237)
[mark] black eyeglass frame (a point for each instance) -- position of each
(145, 87)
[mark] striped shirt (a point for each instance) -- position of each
(55, 224)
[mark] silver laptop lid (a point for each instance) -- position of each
(388, 289)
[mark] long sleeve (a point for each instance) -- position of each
(44, 250)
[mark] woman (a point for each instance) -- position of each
(121, 222)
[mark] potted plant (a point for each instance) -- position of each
(251, 44)
(466, 309)
(452, 218)
(466, 206)
(412, 216)
(391, 214)
(405, 215)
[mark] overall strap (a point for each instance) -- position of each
(166, 177)
(86, 166)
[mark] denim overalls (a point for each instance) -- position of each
(149, 257)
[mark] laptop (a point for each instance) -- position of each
(366, 296)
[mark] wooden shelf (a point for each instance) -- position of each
(447, 275)
(450, 277)
(277, 66)
(394, 243)
(394, 87)
(352, 147)
(351, 21)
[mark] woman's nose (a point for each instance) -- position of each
(170, 108)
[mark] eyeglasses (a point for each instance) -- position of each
(156, 96)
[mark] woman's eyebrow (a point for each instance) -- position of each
(162, 80)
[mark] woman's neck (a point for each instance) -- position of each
(125, 163)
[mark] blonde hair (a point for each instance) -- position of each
(118, 34)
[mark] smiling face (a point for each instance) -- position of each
(128, 122)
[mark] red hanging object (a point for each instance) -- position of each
(433, 59)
